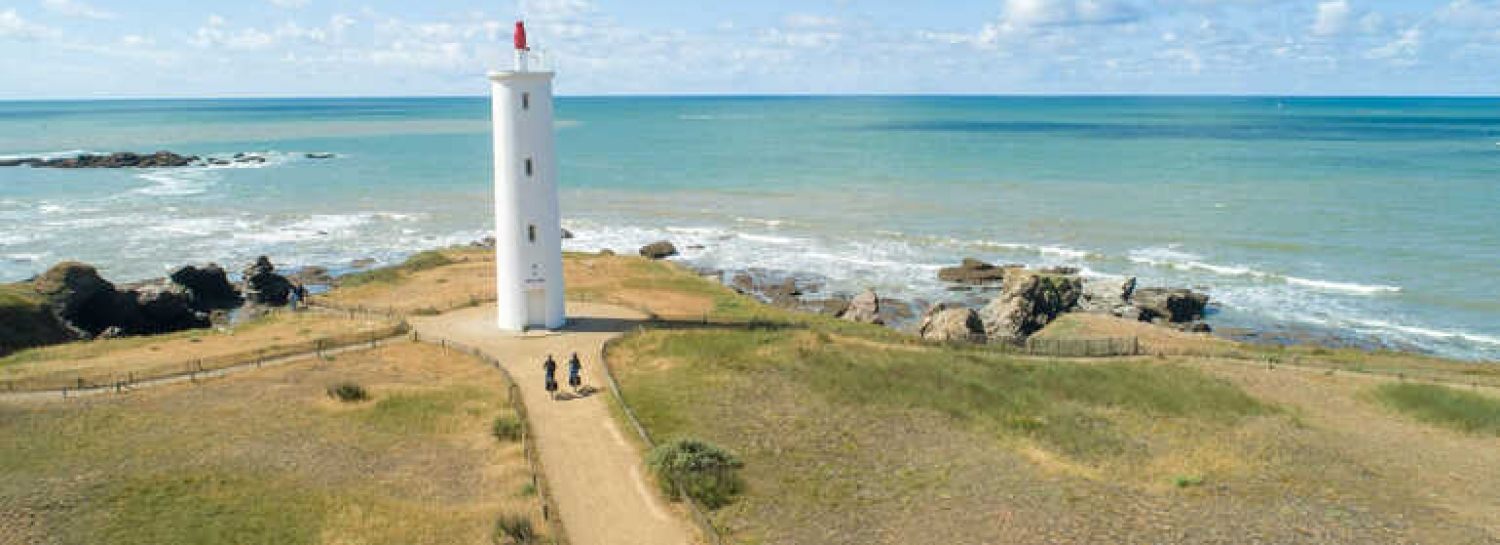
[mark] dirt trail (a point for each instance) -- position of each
(596, 475)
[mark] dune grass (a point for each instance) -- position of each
(266, 457)
(1465, 411)
(418, 262)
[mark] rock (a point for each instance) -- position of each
(1030, 301)
(743, 283)
(658, 250)
(606, 252)
(833, 306)
(160, 159)
(168, 307)
(311, 275)
(209, 286)
(73, 290)
(896, 311)
(948, 322)
(218, 162)
(26, 320)
(263, 286)
(319, 156)
(972, 271)
(864, 308)
(486, 243)
(1107, 296)
(1171, 305)
(566, 234)
(696, 247)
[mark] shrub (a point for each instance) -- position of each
(348, 392)
(507, 428)
(698, 469)
(1187, 481)
(513, 529)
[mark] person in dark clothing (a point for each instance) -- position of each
(551, 367)
(575, 372)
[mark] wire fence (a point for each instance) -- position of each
(195, 367)
(402, 311)
(696, 510)
(533, 458)
(1106, 347)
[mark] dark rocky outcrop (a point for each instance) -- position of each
(319, 155)
(26, 320)
(863, 308)
(950, 322)
(263, 286)
(659, 250)
(1030, 301)
(972, 271)
(566, 234)
(167, 307)
(209, 287)
(1170, 305)
(160, 159)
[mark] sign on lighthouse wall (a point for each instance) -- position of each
(528, 229)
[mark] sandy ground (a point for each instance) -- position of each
(596, 475)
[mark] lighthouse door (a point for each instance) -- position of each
(536, 309)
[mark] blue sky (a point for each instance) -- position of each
(154, 48)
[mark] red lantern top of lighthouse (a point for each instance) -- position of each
(521, 36)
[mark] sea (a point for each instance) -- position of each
(1375, 221)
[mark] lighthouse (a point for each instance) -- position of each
(528, 228)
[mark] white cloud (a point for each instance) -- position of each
(1033, 13)
(808, 20)
(1333, 18)
(13, 27)
(76, 9)
(214, 35)
(1402, 51)
(289, 4)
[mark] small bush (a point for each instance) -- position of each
(1187, 481)
(507, 428)
(1466, 411)
(513, 529)
(348, 392)
(528, 490)
(698, 469)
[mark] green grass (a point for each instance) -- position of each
(1467, 411)
(216, 507)
(419, 412)
(1067, 405)
(430, 259)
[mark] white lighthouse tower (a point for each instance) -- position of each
(528, 228)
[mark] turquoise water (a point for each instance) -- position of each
(1373, 218)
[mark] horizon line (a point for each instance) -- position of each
(746, 95)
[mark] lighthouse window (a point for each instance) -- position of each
(531, 232)
(528, 166)
(525, 101)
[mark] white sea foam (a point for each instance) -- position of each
(177, 182)
(1172, 258)
(13, 239)
(769, 239)
(1054, 250)
(23, 258)
(1440, 334)
(758, 221)
(47, 155)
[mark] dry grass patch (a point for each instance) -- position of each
(107, 361)
(429, 282)
(267, 457)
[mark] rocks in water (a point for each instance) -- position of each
(863, 308)
(366, 262)
(949, 322)
(833, 306)
(319, 155)
(1030, 301)
(263, 286)
(1108, 296)
(1170, 305)
(209, 286)
(160, 159)
(487, 243)
(566, 234)
(972, 271)
(658, 250)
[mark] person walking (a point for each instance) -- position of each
(551, 367)
(575, 372)
(294, 296)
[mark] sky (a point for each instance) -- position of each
(55, 49)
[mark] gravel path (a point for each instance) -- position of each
(596, 475)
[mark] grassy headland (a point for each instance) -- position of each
(269, 457)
